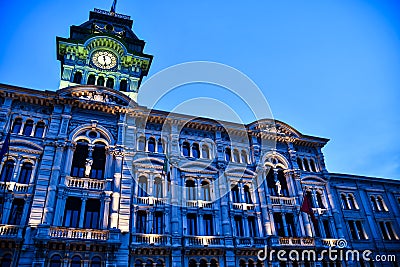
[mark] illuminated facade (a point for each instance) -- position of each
(70, 196)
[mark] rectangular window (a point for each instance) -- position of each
(72, 212)
(16, 212)
(291, 227)
(208, 225)
(92, 212)
(327, 229)
(239, 226)
(158, 223)
(252, 226)
(191, 224)
(357, 230)
(387, 230)
(279, 224)
(141, 221)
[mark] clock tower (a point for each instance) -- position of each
(105, 52)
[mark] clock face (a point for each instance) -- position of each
(104, 59)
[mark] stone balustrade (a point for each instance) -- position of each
(243, 206)
(199, 204)
(151, 239)
(85, 183)
(285, 201)
(203, 241)
(10, 231)
(71, 233)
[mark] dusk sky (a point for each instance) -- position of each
(327, 68)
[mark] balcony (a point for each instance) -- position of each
(85, 183)
(85, 234)
(11, 231)
(16, 188)
(293, 241)
(243, 206)
(150, 201)
(151, 239)
(284, 201)
(250, 241)
(204, 241)
(199, 204)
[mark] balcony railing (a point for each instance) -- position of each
(15, 187)
(285, 201)
(251, 241)
(85, 183)
(329, 242)
(10, 231)
(151, 239)
(149, 201)
(243, 206)
(293, 241)
(71, 233)
(204, 241)
(199, 204)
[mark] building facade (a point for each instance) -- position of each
(91, 178)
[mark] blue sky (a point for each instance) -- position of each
(328, 68)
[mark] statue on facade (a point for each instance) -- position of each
(278, 187)
(88, 166)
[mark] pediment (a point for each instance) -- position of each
(97, 94)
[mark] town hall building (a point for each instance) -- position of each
(89, 178)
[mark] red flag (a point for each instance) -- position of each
(307, 208)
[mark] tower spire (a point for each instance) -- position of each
(113, 7)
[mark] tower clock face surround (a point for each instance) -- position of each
(104, 59)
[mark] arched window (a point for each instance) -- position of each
(123, 85)
(203, 263)
(236, 157)
(160, 263)
(345, 203)
(205, 154)
(244, 157)
(374, 203)
(306, 166)
(77, 77)
(251, 263)
(91, 79)
(190, 190)
(7, 171)
(192, 263)
(227, 154)
(247, 195)
(141, 143)
(242, 263)
(16, 128)
(76, 261)
(99, 161)
(160, 148)
(79, 159)
(28, 127)
(138, 263)
(17, 209)
(283, 182)
(39, 130)
(186, 149)
(100, 81)
(214, 263)
(352, 202)
(195, 150)
(271, 182)
(110, 83)
(312, 163)
(381, 203)
(158, 188)
(55, 261)
(320, 200)
(235, 194)
(300, 164)
(6, 260)
(96, 262)
(205, 190)
(151, 145)
(142, 190)
(25, 173)
(149, 263)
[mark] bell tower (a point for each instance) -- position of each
(104, 51)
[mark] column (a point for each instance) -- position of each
(284, 224)
(106, 212)
(116, 191)
(17, 167)
(82, 215)
(60, 206)
(200, 224)
(245, 224)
